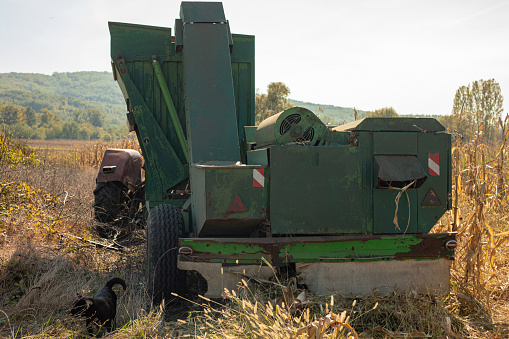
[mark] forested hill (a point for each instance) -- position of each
(329, 113)
(64, 93)
(86, 105)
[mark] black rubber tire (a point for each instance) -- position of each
(110, 200)
(165, 226)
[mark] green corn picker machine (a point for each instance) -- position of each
(349, 208)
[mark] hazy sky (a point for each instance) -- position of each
(411, 55)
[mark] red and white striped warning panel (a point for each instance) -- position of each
(259, 177)
(434, 164)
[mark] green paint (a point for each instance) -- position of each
(317, 190)
(394, 125)
(163, 167)
(310, 250)
(165, 160)
(212, 131)
(384, 248)
(258, 157)
(291, 125)
(171, 108)
(395, 143)
(250, 132)
(214, 190)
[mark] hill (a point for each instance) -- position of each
(64, 93)
(329, 113)
(71, 96)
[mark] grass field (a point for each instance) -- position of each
(49, 252)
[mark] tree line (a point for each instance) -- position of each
(64, 94)
(476, 110)
(86, 124)
(276, 100)
(54, 114)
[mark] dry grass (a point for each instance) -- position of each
(49, 253)
(480, 273)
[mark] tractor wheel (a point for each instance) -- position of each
(110, 201)
(165, 226)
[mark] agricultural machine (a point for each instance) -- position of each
(348, 208)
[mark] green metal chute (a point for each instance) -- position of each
(148, 64)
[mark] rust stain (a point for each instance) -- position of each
(430, 247)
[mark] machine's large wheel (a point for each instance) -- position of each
(164, 227)
(109, 201)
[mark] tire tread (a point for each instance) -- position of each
(164, 228)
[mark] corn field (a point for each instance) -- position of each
(80, 153)
(480, 218)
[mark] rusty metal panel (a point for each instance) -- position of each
(228, 200)
(283, 250)
(120, 165)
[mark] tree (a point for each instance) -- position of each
(47, 117)
(276, 100)
(260, 107)
(70, 130)
(79, 116)
(386, 112)
(487, 104)
(476, 110)
(461, 119)
(277, 96)
(11, 114)
(95, 134)
(21, 130)
(83, 134)
(30, 116)
(95, 117)
(54, 132)
(90, 115)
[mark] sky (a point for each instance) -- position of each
(369, 54)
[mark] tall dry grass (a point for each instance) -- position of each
(480, 211)
(48, 251)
